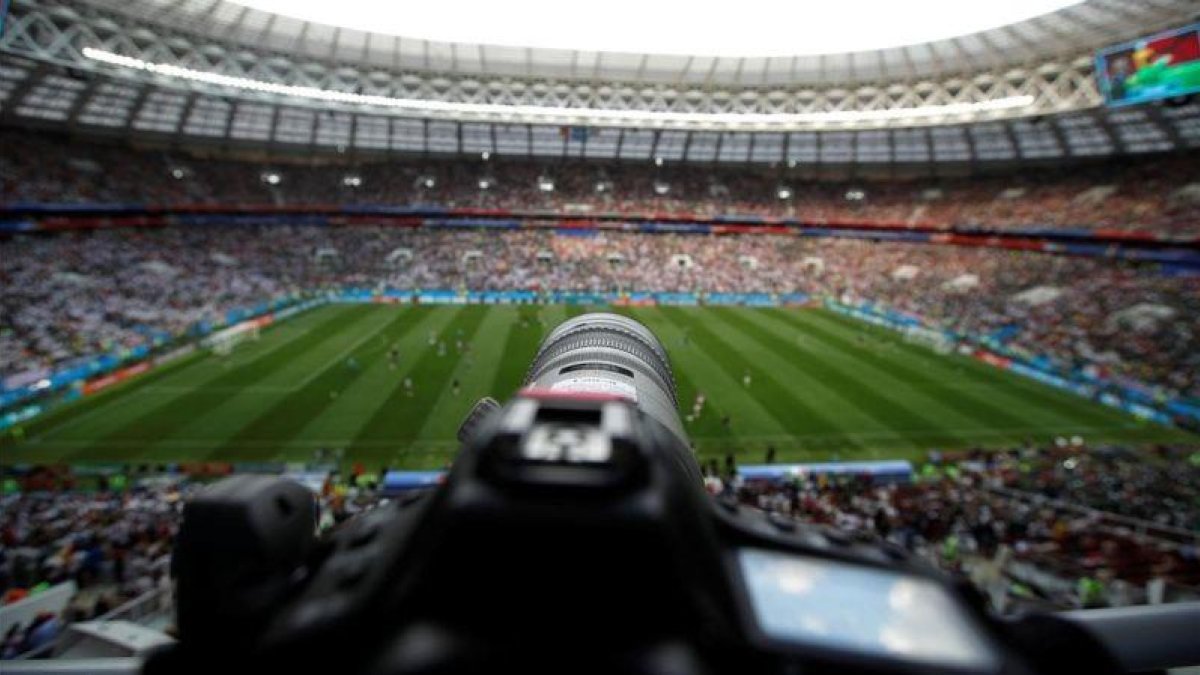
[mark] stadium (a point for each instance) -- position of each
(937, 284)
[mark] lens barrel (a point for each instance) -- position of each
(609, 354)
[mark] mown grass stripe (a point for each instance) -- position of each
(95, 415)
(532, 324)
(58, 419)
(921, 399)
(831, 378)
(285, 419)
(1034, 400)
(243, 405)
(783, 362)
(933, 381)
(789, 410)
(706, 430)
(401, 416)
(159, 421)
(474, 371)
(349, 409)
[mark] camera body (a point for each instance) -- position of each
(572, 534)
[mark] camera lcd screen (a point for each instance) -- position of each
(861, 609)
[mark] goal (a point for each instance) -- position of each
(932, 339)
(223, 342)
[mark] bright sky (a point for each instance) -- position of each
(692, 27)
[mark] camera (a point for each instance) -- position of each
(573, 534)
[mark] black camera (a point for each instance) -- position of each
(573, 534)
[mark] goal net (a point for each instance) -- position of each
(932, 339)
(223, 342)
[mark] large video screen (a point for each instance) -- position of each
(1150, 68)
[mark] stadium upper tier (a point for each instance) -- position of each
(1157, 194)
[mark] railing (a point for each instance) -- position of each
(138, 610)
(1171, 535)
(148, 604)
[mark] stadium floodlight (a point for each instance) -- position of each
(429, 182)
(784, 192)
(791, 163)
(484, 183)
(855, 195)
(177, 173)
(272, 178)
(485, 155)
(658, 161)
(560, 115)
(661, 187)
(545, 184)
(352, 181)
(603, 186)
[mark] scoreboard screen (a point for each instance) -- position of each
(1150, 68)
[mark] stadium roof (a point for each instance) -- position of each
(670, 27)
(213, 71)
(1028, 34)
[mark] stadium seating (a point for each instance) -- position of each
(75, 294)
(1158, 194)
(111, 536)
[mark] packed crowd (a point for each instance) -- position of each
(112, 537)
(1164, 492)
(1152, 194)
(74, 294)
(115, 546)
(1019, 547)
(65, 297)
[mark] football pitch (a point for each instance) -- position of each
(820, 386)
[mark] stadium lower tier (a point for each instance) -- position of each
(71, 296)
(389, 384)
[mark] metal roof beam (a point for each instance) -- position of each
(135, 107)
(1155, 113)
(17, 96)
(81, 100)
(1100, 117)
(186, 112)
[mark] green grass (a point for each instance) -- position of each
(822, 387)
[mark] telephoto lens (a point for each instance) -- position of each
(610, 354)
